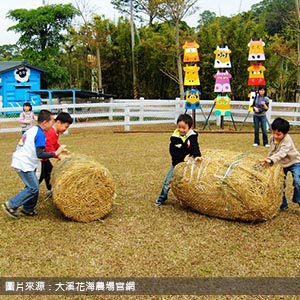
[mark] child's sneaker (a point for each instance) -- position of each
(28, 213)
(158, 203)
(49, 194)
(12, 212)
(283, 207)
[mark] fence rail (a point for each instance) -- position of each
(135, 112)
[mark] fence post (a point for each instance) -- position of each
(127, 118)
(110, 109)
(177, 109)
(269, 114)
(65, 109)
(142, 109)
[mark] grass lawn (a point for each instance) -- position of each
(138, 239)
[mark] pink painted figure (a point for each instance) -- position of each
(222, 82)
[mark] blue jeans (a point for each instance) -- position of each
(166, 186)
(295, 170)
(29, 195)
(260, 121)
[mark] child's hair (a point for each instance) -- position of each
(44, 115)
(64, 117)
(281, 125)
(186, 118)
(27, 104)
(262, 87)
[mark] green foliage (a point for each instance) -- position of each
(155, 56)
(42, 33)
(274, 15)
(48, 41)
(42, 27)
(10, 52)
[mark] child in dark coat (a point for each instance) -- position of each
(183, 143)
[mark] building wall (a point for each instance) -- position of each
(14, 85)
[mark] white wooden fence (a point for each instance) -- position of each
(132, 112)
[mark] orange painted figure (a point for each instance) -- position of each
(222, 107)
(256, 75)
(190, 52)
(222, 59)
(191, 75)
(256, 50)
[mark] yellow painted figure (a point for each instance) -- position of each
(191, 75)
(192, 99)
(222, 107)
(256, 75)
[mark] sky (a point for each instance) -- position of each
(103, 7)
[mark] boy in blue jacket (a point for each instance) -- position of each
(183, 143)
(30, 149)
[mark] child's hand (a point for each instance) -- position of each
(62, 156)
(199, 158)
(66, 151)
(267, 161)
(61, 149)
(186, 158)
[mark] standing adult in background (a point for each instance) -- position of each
(260, 107)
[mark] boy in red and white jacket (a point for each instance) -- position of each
(62, 123)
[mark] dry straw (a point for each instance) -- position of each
(83, 189)
(229, 185)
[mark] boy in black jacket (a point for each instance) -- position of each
(183, 143)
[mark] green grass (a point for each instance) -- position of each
(137, 239)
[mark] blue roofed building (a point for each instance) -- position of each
(17, 79)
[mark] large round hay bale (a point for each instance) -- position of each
(229, 185)
(83, 189)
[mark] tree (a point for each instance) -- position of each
(9, 52)
(147, 8)
(174, 11)
(284, 41)
(42, 27)
(42, 33)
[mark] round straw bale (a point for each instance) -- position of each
(83, 189)
(229, 185)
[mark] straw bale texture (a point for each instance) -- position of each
(229, 185)
(83, 189)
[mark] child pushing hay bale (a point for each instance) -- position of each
(83, 189)
(229, 185)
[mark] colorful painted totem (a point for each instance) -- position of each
(222, 83)
(256, 69)
(191, 75)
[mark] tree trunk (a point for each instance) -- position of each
(100, 87)
(297, 97)
(179, 62)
